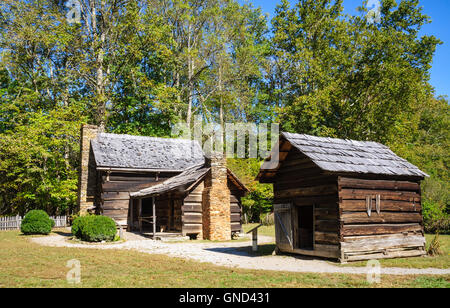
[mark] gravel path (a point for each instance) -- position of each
(231, 254)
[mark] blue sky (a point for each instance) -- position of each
(438, 10)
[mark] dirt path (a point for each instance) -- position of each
(231, 254)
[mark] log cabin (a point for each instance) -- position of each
(166, 187)
(344, 199)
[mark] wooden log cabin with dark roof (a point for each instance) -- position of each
(160, 185)
(344, 199)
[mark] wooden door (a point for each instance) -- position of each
(283, 226)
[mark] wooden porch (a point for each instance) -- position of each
(156, 217)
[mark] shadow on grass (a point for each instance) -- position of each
(266, 250)
(64, 233)
(263, 250)
(139, 235)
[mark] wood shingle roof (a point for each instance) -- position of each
(350, 156)
(149, 153)
(179, 182)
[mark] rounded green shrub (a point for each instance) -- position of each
(94, 228)
(77, 226)
(98, 228)
(36, 222)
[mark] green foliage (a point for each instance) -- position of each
(346, 77)
(260, 198)
(151, 65)
(426, 144)
(438, 225)
(94, 228)
(258, 201)
(155, 63)
(436, 206)
(38, 163)
(41, 108)
(77, 225)
(37, 222)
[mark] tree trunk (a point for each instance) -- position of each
(98, 48)
(191, 67)
(221, 116)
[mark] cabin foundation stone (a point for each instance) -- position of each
(87, 175)
(216, 201)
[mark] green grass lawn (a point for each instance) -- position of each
(419, 262)
(263, 230)
(25, 264)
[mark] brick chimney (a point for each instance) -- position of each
(216, 200)
(87, 173)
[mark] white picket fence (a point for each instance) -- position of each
(14, 222)
(60, 221)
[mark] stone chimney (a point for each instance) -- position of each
(87, 173)
(216, 200)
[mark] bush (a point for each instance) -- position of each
(258, 202)
(441, 225)
(76, 226)
(94, 228)
(36, 222)
(98, 228)
(436, 217)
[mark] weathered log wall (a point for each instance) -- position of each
(236, 207)
(300, 183)
(192, 210)
(185, 215)
(116, 189)
(354, 218)
(379, 219)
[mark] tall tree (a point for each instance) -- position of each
(38, 163)
(349, 76)
(218, 46)
(40, 54)
(131, 66)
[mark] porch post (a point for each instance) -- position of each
(131, 224)
(140, 214)
(255, 240)
(154, 217)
